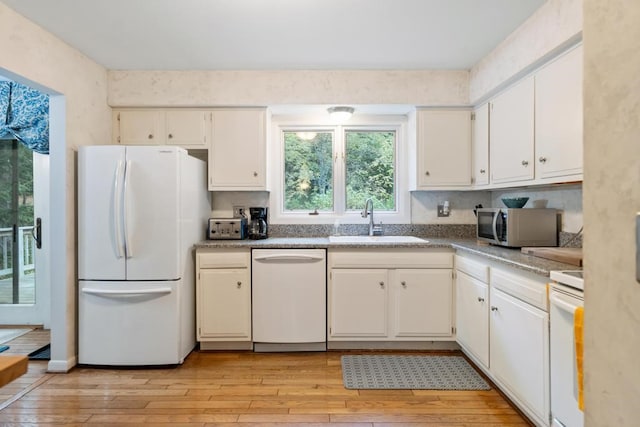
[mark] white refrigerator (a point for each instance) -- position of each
(140, 211)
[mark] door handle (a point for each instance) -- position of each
(36, 232)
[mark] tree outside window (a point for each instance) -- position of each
(311, 171)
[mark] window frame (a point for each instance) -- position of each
(396, 123)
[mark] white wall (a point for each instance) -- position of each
(554, 25)
(78, 87)
(566, 198)
(611, 201)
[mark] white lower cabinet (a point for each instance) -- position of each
(502, 324)
(359, 303)
(421, 302)
(223, 298)
(398, 295)
(472, 317)
(520, 351)
(225, 295)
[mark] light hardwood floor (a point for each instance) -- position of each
(222, 388)
(31, 341)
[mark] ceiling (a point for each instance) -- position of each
(280, 34)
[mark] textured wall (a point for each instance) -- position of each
(611, 201)
(37, 58)
(567, 199)
(549, 27)
(247, 88)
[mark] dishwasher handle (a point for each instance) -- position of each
(562, 305)
(288, 257)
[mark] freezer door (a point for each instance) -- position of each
(101, 253)
(129, 323)
(151, 212)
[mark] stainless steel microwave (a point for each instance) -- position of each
(518, 227)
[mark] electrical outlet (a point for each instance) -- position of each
(443, 210)
(239, 211)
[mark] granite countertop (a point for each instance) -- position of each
(507, 256)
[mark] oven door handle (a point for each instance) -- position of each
(563, 305)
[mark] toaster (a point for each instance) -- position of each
(227, 229)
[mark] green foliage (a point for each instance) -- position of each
(308, 172)
(370, 170)
(11, 153)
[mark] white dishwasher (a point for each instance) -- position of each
(565, 296)
(289, 299)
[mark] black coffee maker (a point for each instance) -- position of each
(258, 227)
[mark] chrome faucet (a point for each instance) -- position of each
(374, 230)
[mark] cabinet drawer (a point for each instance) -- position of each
(223, 259)
(473, 268)
(528, 290)
(390, 258)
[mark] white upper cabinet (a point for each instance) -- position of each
(444, 148)
(512, 134)
(558, 115)
(188, 128)
(138, 127)
(480, 170)
(237, 159)
(185, 128)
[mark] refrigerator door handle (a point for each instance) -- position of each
(128, 292)
(127, 227)
(117, 197)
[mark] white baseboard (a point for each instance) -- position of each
(62, 366)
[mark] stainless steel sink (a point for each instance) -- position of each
(376, 239)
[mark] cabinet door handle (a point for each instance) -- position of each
(480, 299)
(542, 159)
(150, 136)
(494, 308)
(404, 284)
(482, 171)
(239, 284)
(427, 173)
(170, 135)
(255, 174)
(525, 163)
(382, 285)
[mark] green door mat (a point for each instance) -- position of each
(410, 372)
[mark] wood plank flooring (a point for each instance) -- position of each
(31, 341)
(239, 388)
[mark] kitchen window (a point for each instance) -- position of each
(324, 173)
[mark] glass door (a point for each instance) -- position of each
(17, 227)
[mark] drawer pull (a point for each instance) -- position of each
(480, 299)
(494, 308)
(239, 284)
(404, 284)
(382, 285)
